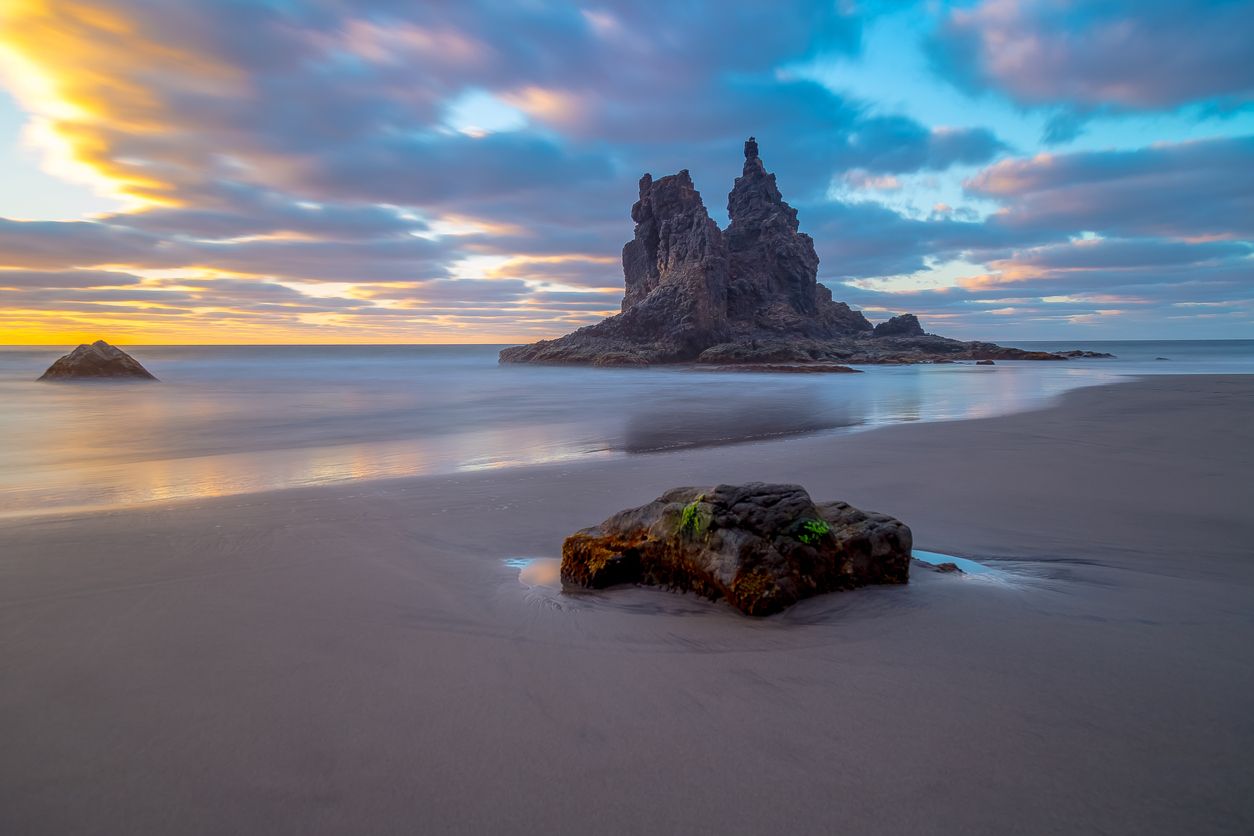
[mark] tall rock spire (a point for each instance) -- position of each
(675, 269)
(773, 267)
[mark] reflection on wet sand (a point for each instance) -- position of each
(537, 571)
(92, 486)
(246, 419)
(679, 423)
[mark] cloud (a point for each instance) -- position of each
(349, 102)
(896, 145)
(238, 210)
(1152, 283)
(61, 244)
(310, 167)
(17, 279)
(432, 171)
(1159, 234)
(452, 292)
(1131, 254)
(1142, 55)
(1202, 188)
(864, 239)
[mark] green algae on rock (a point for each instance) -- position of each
(812, 531)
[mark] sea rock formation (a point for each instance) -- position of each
(97, 361)
(762, 547)
(745, 295)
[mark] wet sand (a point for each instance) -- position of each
(361, 658)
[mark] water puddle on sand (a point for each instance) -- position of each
(540, 579)
(537, 571)
(546, 571)
(968, 567)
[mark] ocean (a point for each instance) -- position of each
(239, 419)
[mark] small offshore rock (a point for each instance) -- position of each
(986, 362)
(98, 361)
(760, 546)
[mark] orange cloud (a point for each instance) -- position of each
(555, 107)
(82, 70)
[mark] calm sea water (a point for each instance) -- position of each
(227, 420)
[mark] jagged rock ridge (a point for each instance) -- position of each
(747, 294)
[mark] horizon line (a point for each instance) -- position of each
(494, 344)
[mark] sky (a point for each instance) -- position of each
(384, 171)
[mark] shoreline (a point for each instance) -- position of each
(773, 456)
(361, 658)
(589, 458)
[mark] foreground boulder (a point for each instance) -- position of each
(95, 362)
(747, 294)
(761, 546)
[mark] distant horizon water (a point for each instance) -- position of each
(231, 420)
(1068, 343)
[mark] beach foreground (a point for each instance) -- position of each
(361, 658)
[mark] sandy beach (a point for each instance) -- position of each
(362, 658)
